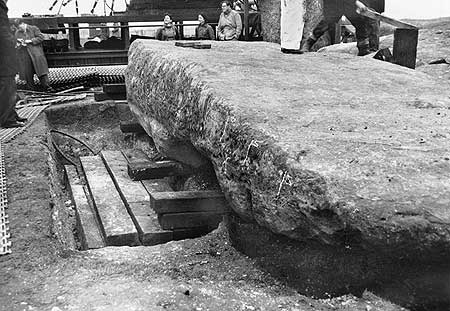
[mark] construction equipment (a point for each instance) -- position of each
(406, 36)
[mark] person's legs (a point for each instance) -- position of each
(374, 35)
(8, 114)
(45, 83)
(318, 31)
(255, 24)
(28, 69)
(362, 33)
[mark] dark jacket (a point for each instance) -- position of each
(204, 32)
(35, 50)
(337, 8)
(377, 5)
(8, 57)
(167, 34)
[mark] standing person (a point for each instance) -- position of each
(374, 26)
(204, 31)
(31, 56)
(230, 23)
(8, 70)
(292, 23)
(168, 32)
(333, 11)
(254, 18)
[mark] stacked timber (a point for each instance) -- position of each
(338, 155)
(115, 91)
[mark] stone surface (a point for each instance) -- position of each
(333, 148)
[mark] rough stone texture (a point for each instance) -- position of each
(271, 15)
(350, 151)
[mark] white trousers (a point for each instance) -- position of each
(292, 23)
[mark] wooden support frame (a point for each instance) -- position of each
(405, 47)
(406, 36)
(125, 34)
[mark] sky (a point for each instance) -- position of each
(419, 9)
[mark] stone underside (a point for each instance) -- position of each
(332, 148)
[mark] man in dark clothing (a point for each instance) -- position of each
(8, 70)
(367, 30)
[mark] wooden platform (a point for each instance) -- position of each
(115, 221)
(136, 199)
(87, 225)
(87, 58)
(113, 210)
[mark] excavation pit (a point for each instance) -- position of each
(91, 156)
(312, 268)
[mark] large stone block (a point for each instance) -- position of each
(333, 148)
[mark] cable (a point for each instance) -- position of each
(63, 155)
(78, 140)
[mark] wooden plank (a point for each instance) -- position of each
(87, 57)
(150, 230)
(156, 185)
(101, 96)
(151, 185)
(115, 88)
(116, 164)
(131, 127)
(155, 170)
(186, 44)
(135, 155)
(116, 224)
(189, 220)
(202, 46)
(367, 12)
(405, 47)
(87, 226)
(136, 199)
(188, 201)
(160, 185)
(148, 16)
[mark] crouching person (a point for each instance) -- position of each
(367, 30)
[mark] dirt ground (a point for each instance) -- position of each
(199, 274)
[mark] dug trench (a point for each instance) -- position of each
(311, 268)
(101, 168)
